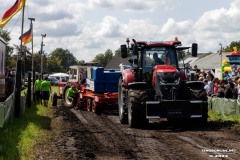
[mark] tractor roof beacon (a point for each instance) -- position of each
(150, 90)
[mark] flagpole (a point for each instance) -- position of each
(18, 82)
(220, 53)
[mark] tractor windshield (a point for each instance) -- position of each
(160, 56)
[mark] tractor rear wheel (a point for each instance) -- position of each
(122, 109)
(66, 100)
(136, 108)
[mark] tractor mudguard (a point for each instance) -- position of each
(176, 109)
(128, 76)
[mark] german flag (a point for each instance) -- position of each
(11, 12)
(26, 37)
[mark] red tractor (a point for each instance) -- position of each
(155, 86)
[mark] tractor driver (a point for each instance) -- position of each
(156, 59)
(73, 95)
(82, 78)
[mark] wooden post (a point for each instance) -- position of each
(29, 92)
(18, 85)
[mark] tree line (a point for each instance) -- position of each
(60, 59)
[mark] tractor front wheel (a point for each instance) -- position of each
(66, 100)
(136, 108)
(122, 109)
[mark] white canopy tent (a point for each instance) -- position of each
(60, 74)
(62, 77)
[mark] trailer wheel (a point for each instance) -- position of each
(54, 99)
(89, 104)
(96, 108)
(66, 101)
(122, 109)
(136, 110)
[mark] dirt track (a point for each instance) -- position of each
(85, 135)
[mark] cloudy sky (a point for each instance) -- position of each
(89, 27)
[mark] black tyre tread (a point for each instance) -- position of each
(54, 99)
(138, 111)
(124, 115)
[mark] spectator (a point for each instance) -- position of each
(200, 78)
(10, 82)
(236, 81)
(216, 85)
(221, 88)
(226, 76)
(45, 91)
(239, 89)
(230, 91)
(196, 69)
(206, 87)
(211, 75)
(37, 89)
(238, 72)
(210, 85)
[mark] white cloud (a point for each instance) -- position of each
(89, 27)
(219, 25)
(109, 27)
(133, 5)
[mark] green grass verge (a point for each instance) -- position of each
(18, 137)
(214, 116)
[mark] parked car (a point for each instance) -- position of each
(53, 80)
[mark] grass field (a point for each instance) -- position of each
(18, 137)
(215, 116)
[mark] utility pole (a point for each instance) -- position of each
(43, 36)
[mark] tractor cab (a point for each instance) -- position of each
(146, 56)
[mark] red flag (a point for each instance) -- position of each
(11, 12)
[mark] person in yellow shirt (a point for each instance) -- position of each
(37, 89)
(45, 91)
(73, 95)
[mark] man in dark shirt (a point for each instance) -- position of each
(196, 69)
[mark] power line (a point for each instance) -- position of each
(15, 23)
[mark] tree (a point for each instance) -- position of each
(232, 44)
(65, 57)
(103, 59)
(9, 50)
(54, 64)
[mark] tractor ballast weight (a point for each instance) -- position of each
(151, 90)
